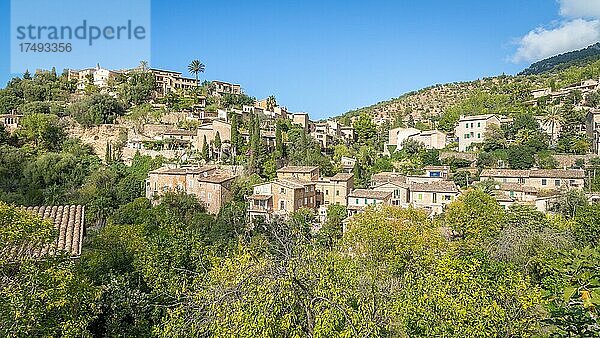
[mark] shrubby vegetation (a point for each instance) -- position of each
(173, 270)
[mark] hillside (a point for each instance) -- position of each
(565, 60)
(500, 94)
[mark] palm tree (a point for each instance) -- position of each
(553, 118)
(144, 65)
(271, 103)
(196, 67)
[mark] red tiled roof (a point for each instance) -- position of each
(69, 223)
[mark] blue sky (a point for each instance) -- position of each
(327, 57)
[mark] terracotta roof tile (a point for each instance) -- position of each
(69, 222)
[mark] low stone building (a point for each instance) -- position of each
(10, 121)
(541, 179)
(334, 190)
(281, 197)
(307, 173)
(359, 199)
(433, 196)
(471, 129)
(400, 191)
(210, 185)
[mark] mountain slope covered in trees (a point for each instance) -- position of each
(504, 94)
(565, 60)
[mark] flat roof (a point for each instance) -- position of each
(438, 186)
(216, 178)
(297, 169)
(341, 177)
(182, 171)
(477, 117)
(368, 193)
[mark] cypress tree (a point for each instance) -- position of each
(205, 149)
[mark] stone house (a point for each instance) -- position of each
(281, 197)
(433, 196)
(334, 190)
(306, 173)
(359, 199)
(471, 129)
(10, 121)
(541, 179)
(400, 192)
(210, 185)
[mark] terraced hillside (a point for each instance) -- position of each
(501, 94)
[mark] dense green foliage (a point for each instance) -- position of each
(564, 60)
(173, 270)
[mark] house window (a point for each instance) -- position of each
(572, 182)
(420, 196)
(544, 181)
(478, 124)
(447, 197)
(357, 201)
(282, 190)
(366, 201)
(434, 198)
(337, 192)
(478, 135)
(521, 180)
(281, 205)
(326, 192)
(471, 124)
(466, 125)
(557, 183)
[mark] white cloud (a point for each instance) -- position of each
(541, 42)
(580, 8)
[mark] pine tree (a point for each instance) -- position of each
(27, 75)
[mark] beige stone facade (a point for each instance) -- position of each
(334, 190)
(541, 179)
(433, 196)
(592, 126)
(10, 121)
(471, 129)
(281, 197)
(306, 173)
(302, 120)
(210, 185)
(359, 199)
(432, 139)
(169, 81)
(226, 88)
(210, 131)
